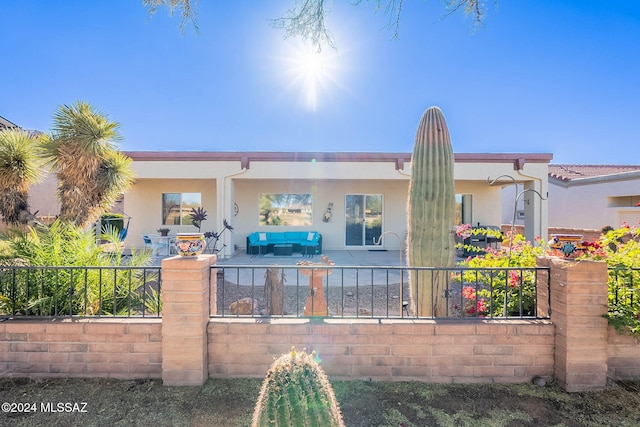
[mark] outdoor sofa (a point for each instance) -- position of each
(284, 242)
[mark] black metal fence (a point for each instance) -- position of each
(116, 291)
(624, 290)
(376, 291)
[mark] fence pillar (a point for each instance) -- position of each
(185, 315)
(578, 303)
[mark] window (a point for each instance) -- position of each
(285, 209)
(176, 207)
(623, 201)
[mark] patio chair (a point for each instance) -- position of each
(151, 242)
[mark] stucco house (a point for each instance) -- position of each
(349, 198)
(593, 196)
(6, 124)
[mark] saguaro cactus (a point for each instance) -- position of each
(296, 393)
(430, 212)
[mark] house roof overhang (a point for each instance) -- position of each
(246, 157)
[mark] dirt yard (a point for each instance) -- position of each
(229, 403)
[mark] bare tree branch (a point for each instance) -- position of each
(187, 11)
(393, 8)
(474, 8)
(306, 20)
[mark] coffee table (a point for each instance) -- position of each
(280, 250)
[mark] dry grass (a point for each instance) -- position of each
(228, 403)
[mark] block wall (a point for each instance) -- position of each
(429, 351)
(623, 355)
(115, 348)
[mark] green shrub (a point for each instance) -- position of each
(73, 290)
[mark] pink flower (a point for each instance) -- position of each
(514, 278)
(464, 231)
(469, 293)
(481, 306)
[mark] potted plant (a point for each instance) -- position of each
(192, 244)
(163, 231)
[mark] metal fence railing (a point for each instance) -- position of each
(376, 291)
(624, 289)
(116, 291)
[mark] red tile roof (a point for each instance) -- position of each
(573, 172)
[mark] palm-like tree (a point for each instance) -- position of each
(91, 173)
(20, 167)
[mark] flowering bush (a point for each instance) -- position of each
(620, 249)
(493, 291)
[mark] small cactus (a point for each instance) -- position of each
(296, 393)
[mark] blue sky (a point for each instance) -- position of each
(559, 77)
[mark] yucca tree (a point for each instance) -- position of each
(91, 173)
(20, 167)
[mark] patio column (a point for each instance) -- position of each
(578, 303)
(536, 210)
(185, 316)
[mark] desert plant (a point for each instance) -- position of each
(49, 274)
(430, 213)
(20, 167)
(91, 173)
(296, 393)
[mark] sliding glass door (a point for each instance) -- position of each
(363, 219)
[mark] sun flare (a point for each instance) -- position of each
(312, 73)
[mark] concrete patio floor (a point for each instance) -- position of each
(374, 257)
(339, 257)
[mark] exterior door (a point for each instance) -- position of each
(363, 219)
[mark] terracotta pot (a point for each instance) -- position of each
(190, 244)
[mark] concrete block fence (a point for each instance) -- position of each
(186, 346)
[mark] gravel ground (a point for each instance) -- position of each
(361, 301)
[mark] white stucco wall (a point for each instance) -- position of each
(143, 203)
(323, 192)
(587, 206)
(224, 183)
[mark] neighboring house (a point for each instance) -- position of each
(6, 124)
(365, 194)
(593, 196)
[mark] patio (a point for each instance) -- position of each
(374, 257)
